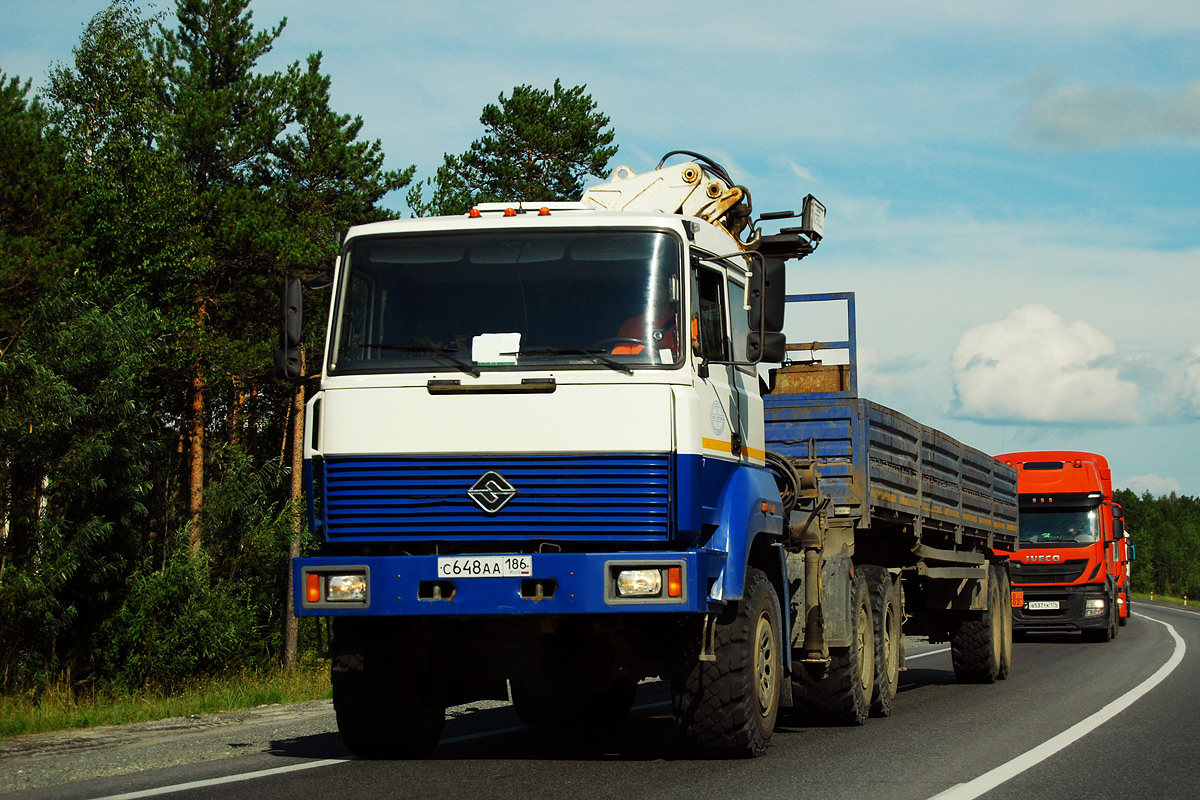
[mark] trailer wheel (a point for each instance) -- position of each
(976, 645)
(1006, 635)
(843, 695)
(728, 707)
(386, 707)
(886, 618)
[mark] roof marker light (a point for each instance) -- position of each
(510, 212)
(543, 212)
(475, 213)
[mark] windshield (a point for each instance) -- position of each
(1059, 528)
(508, 300)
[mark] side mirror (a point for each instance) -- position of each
(767, 299)
(770, 347)
(288, 364)
(766, 295)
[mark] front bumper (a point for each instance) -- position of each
(1069, 616)
(557, 583)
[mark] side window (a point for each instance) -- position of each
(740, 322)
(709, 315)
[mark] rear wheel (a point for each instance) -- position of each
(976, 644)
(886, 615)
(1006, 634)
(728, 707)
(843, 695)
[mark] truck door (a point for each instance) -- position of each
(723, 394)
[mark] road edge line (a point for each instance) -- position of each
(1010, 769)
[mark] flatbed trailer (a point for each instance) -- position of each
(877, 490)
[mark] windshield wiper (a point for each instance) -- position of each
(440, 352)
(599, 358)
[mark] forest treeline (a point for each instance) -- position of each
(1165, 532)
(152, 196)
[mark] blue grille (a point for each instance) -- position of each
(607, 497)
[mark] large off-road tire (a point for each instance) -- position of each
(542, 704)
(976, 645)
(728, 707)
(386, 706)
(843, 695)
(887, 616)
(1006, 634)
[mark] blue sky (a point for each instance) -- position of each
(1013, 188)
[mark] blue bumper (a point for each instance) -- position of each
(557, 583)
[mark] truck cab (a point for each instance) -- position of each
(1069, 573)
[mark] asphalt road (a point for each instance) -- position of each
(1074, 720)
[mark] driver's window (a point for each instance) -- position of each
(710, 337)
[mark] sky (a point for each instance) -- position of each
(1013, 189)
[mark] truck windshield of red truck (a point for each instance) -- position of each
(1059, 527)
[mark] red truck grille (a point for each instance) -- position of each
(1062, 572)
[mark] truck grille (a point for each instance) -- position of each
(1062, 572)
(606, 497)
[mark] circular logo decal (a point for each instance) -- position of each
(716, 417)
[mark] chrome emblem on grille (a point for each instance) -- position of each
(491, 492)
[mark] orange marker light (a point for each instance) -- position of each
(543, 212)
(475, 213)
(674, 582)
(510, 212)
(312, 588)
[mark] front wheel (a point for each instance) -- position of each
(728, 707)
(386, 705)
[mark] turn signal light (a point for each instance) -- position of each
(312, 588)
(674, 582)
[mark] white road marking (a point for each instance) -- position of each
(990, 780)
(245, 776)
(907, 657)
(266, 773)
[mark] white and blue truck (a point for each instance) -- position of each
(547, 459)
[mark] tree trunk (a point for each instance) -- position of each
(196, 458)
(291, 633)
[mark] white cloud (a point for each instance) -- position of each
(1154, 484)
(1033, 367)
(1082, 117)
(1190, 392)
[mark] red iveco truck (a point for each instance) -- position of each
(1071, 572)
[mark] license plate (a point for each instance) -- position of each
(1043, 605)
(513, 566)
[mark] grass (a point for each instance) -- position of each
(60, 708)
(1192, 602)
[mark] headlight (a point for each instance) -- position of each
(639, 583)
(1093, 607)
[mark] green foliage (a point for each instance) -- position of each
(74, 465)
(147, 212)
(538, 145)
(176, 623)
(1166, 533)
(35, 206)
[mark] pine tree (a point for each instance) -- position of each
(538, 145)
